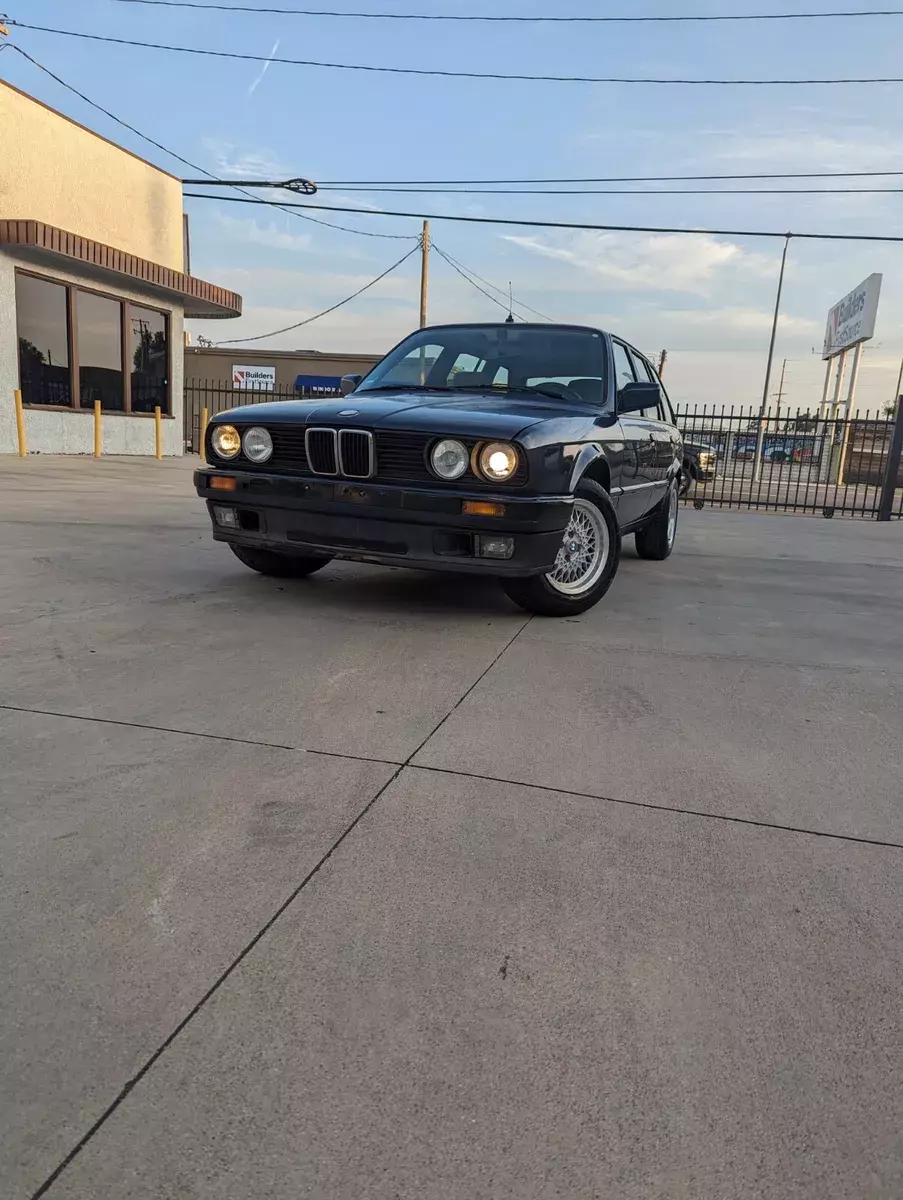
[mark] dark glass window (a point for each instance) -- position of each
(43, 326)
(149, 349)
(99, 323)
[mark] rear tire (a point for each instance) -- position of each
(656, 540)
(586, 565)
(280, 566)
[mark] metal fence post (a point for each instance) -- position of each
(892, 471)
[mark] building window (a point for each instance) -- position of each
(149, 348)
(100, 377)
(42, 315)
(78, 346)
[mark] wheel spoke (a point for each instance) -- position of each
(584, 551)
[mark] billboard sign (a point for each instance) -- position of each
(852, 320)
(254, 379)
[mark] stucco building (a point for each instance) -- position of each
(94, 287)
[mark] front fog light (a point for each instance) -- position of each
(494, 547)
(227, 517)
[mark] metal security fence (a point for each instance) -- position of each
(216, 397)
(801, 464)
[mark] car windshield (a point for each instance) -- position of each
(552, 361)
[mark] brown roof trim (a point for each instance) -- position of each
(38, 236)
(100, 137)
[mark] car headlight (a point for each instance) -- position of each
(225, 440)
(449, 458)
(497, 461)
(257, 443)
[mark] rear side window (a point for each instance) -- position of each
(645, 375)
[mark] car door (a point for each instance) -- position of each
(661, 433)
(638, 479)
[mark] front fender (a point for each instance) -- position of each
(593, 459)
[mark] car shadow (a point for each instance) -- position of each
(350, 589)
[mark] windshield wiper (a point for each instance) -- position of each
(504, 387)
(405, 387)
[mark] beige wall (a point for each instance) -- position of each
(55, 171)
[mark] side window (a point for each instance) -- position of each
(623, 369)
(645, 374)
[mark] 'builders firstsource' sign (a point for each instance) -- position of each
(254, 379)
(852, 320)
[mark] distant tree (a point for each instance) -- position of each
(28, 350)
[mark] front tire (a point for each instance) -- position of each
(586, 564)
(280, 566)
(656, 540)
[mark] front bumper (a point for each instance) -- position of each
(398, 526)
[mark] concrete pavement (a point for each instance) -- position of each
(366, 885)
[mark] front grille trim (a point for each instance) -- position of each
(371, 453)
(311, 459)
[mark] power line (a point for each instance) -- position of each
(423, 71)
(307, 321)
(464, 275)
(501, 291)
(526, 20)
(509, 304)
(416, 191)
(383, 212)
(373, 183)
(186, 162)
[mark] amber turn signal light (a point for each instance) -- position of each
(482, 508)
(223, 483)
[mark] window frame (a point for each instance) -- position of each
(125, 309)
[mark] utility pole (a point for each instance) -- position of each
(424, 270)
(780, 395)
(662, 359)
(760, 440)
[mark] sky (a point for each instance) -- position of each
(707, 299)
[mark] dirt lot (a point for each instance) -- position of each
(368, 886)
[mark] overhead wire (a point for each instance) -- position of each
(530, 223)
(236, 55)
(187, 162)
(507, 305)
(460, 267)
(418, 191)
(524, 20)
(326, 311)
(373, 183)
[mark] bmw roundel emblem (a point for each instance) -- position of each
(350, 412)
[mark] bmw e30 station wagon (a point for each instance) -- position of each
(525, 452)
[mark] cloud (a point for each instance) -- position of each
(652, 262)
(266, 66)
(740, 320)
(247, 230)
(231, 162)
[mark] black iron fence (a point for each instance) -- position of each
(216, 396)
(735, 459)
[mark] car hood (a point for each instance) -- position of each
(459, 412)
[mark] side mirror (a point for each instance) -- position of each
(634, 397)
(349, 383)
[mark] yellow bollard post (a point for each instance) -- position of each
(205, 417)
(158, 432)
(20, 424)
(97, 444)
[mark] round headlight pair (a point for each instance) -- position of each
(496, 461)
(256, 442)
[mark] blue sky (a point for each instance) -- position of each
(707, 299)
